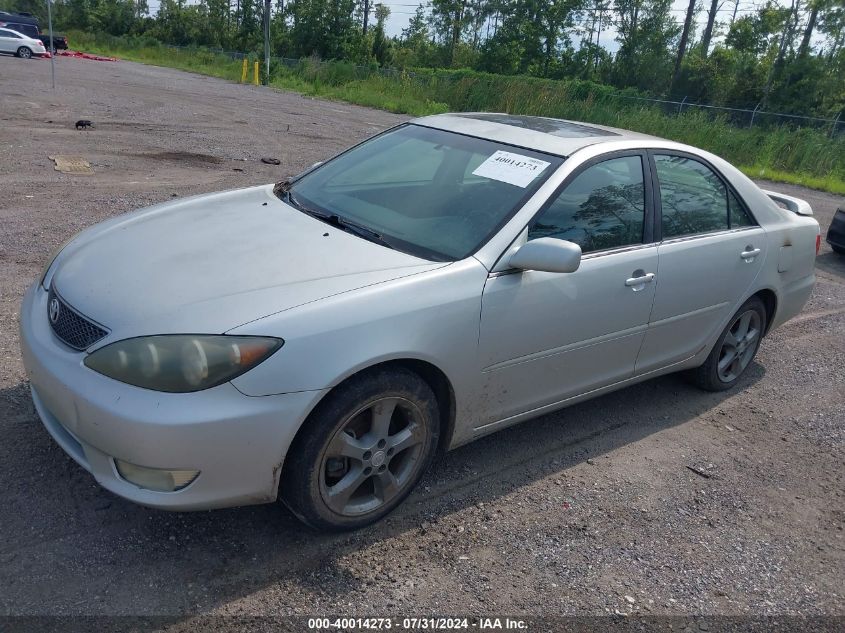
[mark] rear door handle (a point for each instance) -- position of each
(639, 281)
(749, 253)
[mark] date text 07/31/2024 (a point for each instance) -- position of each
(410, 623)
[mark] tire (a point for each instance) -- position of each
(838, 249)
(24, 53)
(343, 470)
(737, 345)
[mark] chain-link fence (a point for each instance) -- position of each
(745, 117)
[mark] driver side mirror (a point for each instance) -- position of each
(547, 254)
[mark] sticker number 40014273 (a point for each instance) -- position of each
(511, 168)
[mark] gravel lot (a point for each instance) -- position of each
(593, 510)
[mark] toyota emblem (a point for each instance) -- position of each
(54, 310)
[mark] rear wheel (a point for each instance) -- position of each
(363, 450)
(734, 350)
(24, 52)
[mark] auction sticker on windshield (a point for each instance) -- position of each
(514, 169)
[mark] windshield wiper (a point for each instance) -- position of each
(283, 190)
(361, 231)
(350, 227)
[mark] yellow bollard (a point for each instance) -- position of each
(243, 72)
(255, 75)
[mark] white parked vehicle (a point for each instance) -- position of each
(321, 339)
(20, 44)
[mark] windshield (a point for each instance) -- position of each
(435, 194)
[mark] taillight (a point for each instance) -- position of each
(818, 243)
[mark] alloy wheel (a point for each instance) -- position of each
(373, 456)
(739, 345)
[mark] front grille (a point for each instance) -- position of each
(72, 328)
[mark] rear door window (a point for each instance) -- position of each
(738, 214)
(693, 198)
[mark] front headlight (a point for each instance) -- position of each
(181, 363)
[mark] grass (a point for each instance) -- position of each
(830, 184)
(803, 156)
(147, 51)
(375, 92)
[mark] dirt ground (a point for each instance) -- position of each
(590, 511)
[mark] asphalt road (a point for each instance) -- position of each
(592, 510)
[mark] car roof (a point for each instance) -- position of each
(554, 136)
(22, 18)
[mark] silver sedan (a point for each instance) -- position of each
(321, 339)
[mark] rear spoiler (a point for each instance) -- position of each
(796, 205)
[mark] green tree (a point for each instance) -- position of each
(645, 31)
(449, 20)
(682, 45)
(381, 45)
(533, 38)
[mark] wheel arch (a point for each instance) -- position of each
(770, 301)
(431, 374)
(443, 391)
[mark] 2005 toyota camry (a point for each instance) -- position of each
(319, 340)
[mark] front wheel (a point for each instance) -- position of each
(362, 450)
(734, 349)
(24, 52)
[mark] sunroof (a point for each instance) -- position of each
(564, 129)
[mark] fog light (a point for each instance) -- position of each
(158, 479)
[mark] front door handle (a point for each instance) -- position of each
(640, 280)
(749, 253)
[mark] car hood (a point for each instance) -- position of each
(210, 263)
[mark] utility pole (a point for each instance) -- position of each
(366, 14)
(52, 48)
(266, 42)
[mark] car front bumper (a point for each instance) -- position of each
(237, 442)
